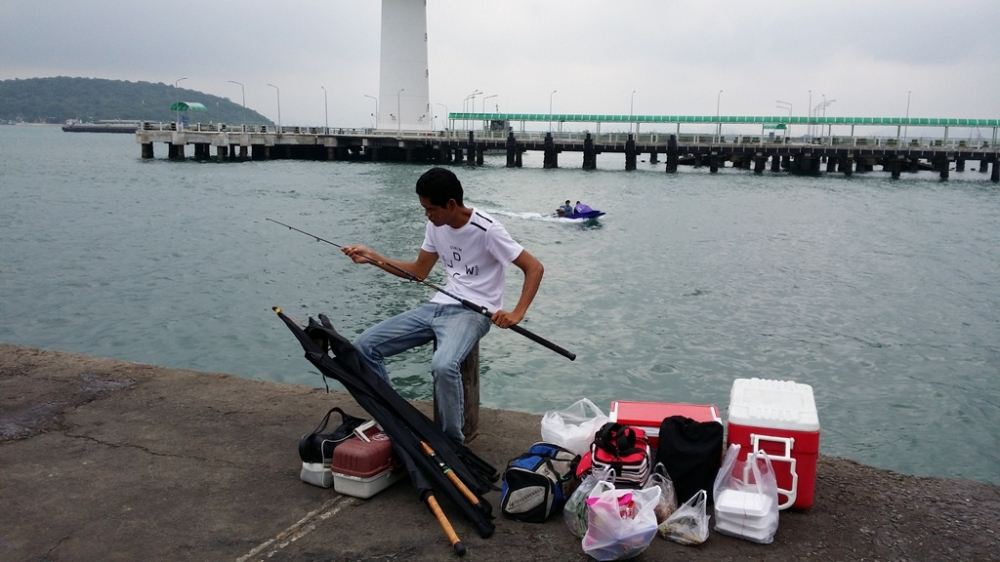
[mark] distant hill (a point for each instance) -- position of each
(54, 100)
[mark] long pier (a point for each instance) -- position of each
(797, 155)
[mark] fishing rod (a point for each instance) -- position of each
(466, 303)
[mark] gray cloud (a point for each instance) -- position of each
(867, 55)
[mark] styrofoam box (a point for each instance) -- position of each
(317, 474)
(780, 418)
(750, 532)
(365, 487)
(743, 503)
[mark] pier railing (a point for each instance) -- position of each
(612, 139)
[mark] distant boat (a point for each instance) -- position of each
(106, 126)
(588, 215)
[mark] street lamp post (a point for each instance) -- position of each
(788, 106)
(465, 104)
(486, 98)
(718, 102)
(177, 112)
(809, 128)
(906, 126)
(374, 115)
(484, 107)
(243, 92)
(399, 116)
(550, 108)
(631, 111)
(326, 112)
(829, 127)
(445, 120)
(277, 92)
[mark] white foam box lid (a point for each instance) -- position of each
(773, 404)
(758, 534)
(743, 503)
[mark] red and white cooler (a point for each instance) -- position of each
(649, 415)
(778, 417)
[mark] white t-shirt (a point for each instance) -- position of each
(475, 258)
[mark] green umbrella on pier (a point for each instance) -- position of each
(179, 106)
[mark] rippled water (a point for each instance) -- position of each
(884, 296)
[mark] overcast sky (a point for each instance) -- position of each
(677, 55)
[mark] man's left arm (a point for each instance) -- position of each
(533, 271)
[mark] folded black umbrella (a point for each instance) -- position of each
(336, 357)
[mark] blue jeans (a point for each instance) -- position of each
(457, 330)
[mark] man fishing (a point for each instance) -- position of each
(474, 249)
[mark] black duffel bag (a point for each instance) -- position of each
(691, 452)
(317, 447)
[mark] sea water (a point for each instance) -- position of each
(883, 295)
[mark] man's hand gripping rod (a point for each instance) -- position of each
(467, 304)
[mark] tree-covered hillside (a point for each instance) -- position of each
(54, 100)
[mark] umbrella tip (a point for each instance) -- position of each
(276, 309)
(459, 549)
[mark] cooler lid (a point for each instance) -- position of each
(651, 414)
(774, 404)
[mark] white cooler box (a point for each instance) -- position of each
(778, 417)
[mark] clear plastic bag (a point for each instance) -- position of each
(689, 524)
(746, 497)
(573, 428)
(575, 511)
(668, 498)
(620, 523)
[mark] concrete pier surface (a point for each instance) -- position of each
(107, 460)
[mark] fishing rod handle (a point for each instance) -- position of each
(523, 331)
(544, 342)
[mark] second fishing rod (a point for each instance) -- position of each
(464, 302)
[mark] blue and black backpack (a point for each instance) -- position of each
(537, 483)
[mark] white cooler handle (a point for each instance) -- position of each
(789, 443)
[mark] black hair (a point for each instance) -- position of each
(439, 185)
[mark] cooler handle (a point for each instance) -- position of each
(789, 443)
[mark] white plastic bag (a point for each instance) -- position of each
(746, 497)
(668, 498)
(620, 523)
(575, 510)
(689, 524)
(573, 429)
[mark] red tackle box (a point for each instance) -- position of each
(363, 469)
(780, 418)
(649, 415)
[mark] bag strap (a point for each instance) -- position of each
(326, 419)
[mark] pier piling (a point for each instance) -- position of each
(589, 156)
(550, 159)
(896, 166)
(847, 165)
(995, 176)
(630, 153)
(147, 150)
(984, 166)
(960, 164)
(511, 147)
(672, 154)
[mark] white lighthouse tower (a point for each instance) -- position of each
(404, 98)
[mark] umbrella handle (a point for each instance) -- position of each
(442, 520)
